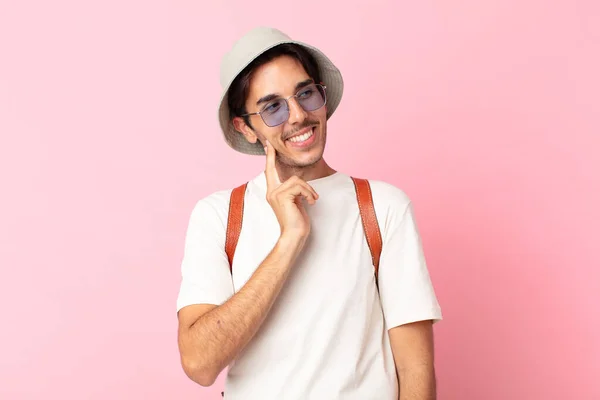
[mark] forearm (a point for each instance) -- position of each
(417, 383)
(215, 339)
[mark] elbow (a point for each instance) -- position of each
(199, 373)
(206, 379)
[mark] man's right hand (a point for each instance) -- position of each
(210, 335)
(286, 199)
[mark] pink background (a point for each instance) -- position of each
(485, 112)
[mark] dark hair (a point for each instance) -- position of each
(238, 91)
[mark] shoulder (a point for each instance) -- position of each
(393, 208)
(215, 206)
(211, 209)
(387, 195)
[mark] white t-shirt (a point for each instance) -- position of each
(326, 335)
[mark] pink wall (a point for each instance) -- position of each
(484, 112)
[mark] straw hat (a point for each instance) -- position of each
(243, 52)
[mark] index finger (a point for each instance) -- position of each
(270, 170)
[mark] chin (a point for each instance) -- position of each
(306, 159)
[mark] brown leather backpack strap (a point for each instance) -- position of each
(234, 221)
(369, 220)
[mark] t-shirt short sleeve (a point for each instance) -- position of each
(205, 274)
(405, 287)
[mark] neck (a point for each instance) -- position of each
(315, 171)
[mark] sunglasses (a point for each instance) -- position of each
(277, 111)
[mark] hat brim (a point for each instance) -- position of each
(330, 75)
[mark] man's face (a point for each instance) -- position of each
(300, 140)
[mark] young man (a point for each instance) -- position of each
(301, 313)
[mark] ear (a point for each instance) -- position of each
(241, 126)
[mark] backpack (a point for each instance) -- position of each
(365, 205)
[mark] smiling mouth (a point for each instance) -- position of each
(302, 137)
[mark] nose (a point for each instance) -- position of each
(297, 113)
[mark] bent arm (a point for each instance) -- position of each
(210, 336)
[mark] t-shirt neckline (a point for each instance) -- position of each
(261, 179)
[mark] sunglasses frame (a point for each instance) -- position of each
(288, 105)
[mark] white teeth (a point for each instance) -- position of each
(301, 138)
